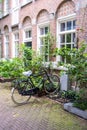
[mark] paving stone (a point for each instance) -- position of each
(39, 114)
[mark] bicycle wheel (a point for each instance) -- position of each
(52, 84)
(16, 93)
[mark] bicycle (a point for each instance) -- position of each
(23, 89)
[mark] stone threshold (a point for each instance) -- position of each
(69, 107)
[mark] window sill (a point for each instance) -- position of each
(54, 66)
(5, 15)
(24, 4)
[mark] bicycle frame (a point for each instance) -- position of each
(42, 74)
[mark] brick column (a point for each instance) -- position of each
(20, 34)
(34, 35)
(3, 46)
(53, 24)
(10, 45)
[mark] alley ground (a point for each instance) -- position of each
(38, 114)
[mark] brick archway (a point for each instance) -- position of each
(26, 21)
(65, 8)
(43, 16)
(6, 29)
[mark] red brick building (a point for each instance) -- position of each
(27, 21)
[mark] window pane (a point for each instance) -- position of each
(74, 24)
(7, 50)
(28, 44)
(41, 41)
(68, 38)
(46, 58)
(7, 38)
(69, 25)
(62, 46)
(41, 49)
(28, 34)
(68, 59)
(62, 26)
(16, 48)
(41, 31)
(46, 30)
(44, 43)
(74, 36)
(16, 36)
(62, 38)
(46, 50)
(0, 49)
(68, 46)
(6, 5)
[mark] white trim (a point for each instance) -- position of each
(68, 31)
(6, 52)
(26, 2)
(6, 7)
(65, 18)
(43, 24)
(0, 48)
(28, 27)
(13, 41)
(15, 5)
(55, 66)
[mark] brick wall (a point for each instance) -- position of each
(41, 11)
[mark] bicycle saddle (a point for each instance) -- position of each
(27, 73)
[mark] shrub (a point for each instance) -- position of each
(71, 95)
(81, 99)
(11, 68)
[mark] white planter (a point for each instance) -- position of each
(69, 107)
(64, 82)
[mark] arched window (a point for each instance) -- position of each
(27, 35)
(43, 29)
(66, 25)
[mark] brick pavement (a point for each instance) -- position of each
(38, 114)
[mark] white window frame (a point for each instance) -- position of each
(15, 16)
(0, 48)
(15, 41)
(6, 7)
(15, 3)
(29, 39)
(0, 9)
(59, 21)
(26, 2)
(42, 25)
(7, 46)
